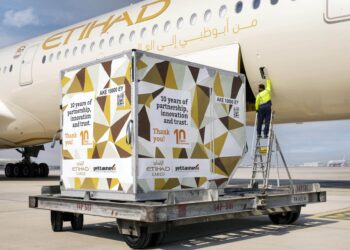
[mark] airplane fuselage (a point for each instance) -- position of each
(304, 45)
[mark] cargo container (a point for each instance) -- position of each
(138, 125)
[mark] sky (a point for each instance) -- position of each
(21, 20)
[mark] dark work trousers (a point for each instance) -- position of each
(264, 116)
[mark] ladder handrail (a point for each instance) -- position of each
(254, 136)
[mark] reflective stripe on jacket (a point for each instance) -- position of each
(264, 96)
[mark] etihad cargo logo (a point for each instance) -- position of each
(158, 169)
(105, 169)
(147, 12)
(80, 169)
(187, 168)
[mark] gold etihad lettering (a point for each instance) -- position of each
(63, 38)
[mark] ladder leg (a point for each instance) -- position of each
(284, 163)
(255, 165)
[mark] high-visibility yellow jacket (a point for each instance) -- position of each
(264, 96)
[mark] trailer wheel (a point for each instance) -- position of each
(16, 170)
(139, 242)
(9, 170)
(285, 218)
(77, 222)
(157, 239)
(56, 221)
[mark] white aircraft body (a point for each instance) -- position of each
(304, 45)
(337, 163)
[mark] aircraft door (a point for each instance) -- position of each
(225, 57)
(26, 72)
(337, 11)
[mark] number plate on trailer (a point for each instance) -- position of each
(301, 198)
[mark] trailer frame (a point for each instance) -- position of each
(151, 219)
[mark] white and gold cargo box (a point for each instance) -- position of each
(139, 126)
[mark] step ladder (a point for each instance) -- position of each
(262, 152)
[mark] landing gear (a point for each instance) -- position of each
(26, 168)
(9, 170)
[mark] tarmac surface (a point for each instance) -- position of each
(321, 226)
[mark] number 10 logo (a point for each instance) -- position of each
(180, 136)
(84, 137)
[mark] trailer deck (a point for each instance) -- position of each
(143, 224)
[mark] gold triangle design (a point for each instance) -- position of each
(107, 109)
(99, 131)
(123, 145)
(199, 152)
(141, 64)
(88, 85)
(114, 182)
(159, 184)
(75, 87)
(64, 81)
(170, 81)
(219, 143)
(77, 183)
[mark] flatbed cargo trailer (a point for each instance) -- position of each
(144, 224)
(153, 142)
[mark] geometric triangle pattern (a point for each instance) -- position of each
(215, 134)
(112, 86)
(214, 124)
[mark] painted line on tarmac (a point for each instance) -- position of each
(343, 214)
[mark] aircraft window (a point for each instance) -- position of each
(92, 46)
(58, 55)
(167, 26)
(44, 59)
(83, 49)
(207, 16)
(193, 19)
(256, 4)
(155, 29)
(121, 39)
(4, 70)
(111, 41)
(102, 43)
(180, 23)
(143, 32)
(75, 51)
(0, 70)
(66, 53)
(11, 67)
(274, 2)
(132, 36)
(51, 57)
(223, 11)
(239, 7)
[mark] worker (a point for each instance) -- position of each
(263, 106)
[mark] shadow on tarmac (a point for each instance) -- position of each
(324, 183)
(202, 235)
(49, 178)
